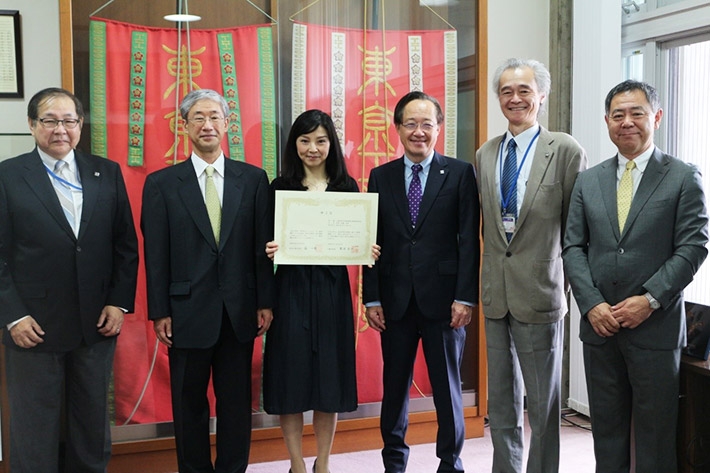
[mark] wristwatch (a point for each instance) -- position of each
(652, 302)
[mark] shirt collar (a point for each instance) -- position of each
(425, 164)
(200, 164)
(522, 140)
(641, 160)
(50, 162)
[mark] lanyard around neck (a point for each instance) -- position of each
(504, 199)
(61, 179)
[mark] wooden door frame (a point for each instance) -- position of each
(157, 455)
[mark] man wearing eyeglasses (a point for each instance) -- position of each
(205, 224)
(68, 269)
(425, 285)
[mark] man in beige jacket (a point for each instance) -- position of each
(525, 178)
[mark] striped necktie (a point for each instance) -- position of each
(509, 180)
(64, 193)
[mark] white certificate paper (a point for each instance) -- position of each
(325, 228)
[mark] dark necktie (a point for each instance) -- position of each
(509, 180)
(415, 193)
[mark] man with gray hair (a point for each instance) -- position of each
(525, 178)
(205, 224)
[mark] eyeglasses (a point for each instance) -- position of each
(52, 123)
(426, 127)
(200, 121)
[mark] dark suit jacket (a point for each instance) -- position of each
(659, 251)
(45, 271)
(189, 278)
(438, 259)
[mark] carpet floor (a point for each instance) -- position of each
(576, 454)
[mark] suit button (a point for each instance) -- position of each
(414, 242)
(78, 249)
(508, 254)
(620, 251)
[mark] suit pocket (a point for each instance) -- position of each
(547, 278)
(180, 288)
(655, 204)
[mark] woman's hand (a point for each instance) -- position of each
(375, 253)
(271, 248)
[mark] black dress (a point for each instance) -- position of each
(309, 354)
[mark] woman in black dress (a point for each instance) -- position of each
(309, 358)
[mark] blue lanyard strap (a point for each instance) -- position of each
(504, 199)
(62, 180)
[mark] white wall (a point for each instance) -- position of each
(41, 64)
(516, 28)
(596, 68)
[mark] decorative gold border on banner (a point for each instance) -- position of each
(416, 69)
(337, 83)
(97, 88)
(136, 100)
(269, 148)
(298, 70)
(450, 92)
(230, 90)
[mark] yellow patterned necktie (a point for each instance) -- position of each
(625, 194)
(214, 209)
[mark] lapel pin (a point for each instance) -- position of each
(441, 171)
(97, 174)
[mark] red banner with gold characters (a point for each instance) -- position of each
(357, 76)
(139, 75)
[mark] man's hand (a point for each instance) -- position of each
(163, 328)
(263, 320)
(375, 318)
(27, 333)
(602, 320)
(461, 315)
(632, 312)
(110, 321)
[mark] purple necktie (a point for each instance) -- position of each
(415, 193)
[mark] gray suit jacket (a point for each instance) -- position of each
(525, 277)
(659, 251)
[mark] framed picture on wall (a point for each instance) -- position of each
(11, 83)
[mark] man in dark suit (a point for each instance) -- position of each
(636, 235)
(210, 284)
(425, 285)
(68, 269)
(523, 288)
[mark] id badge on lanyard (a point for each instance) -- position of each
(509, 222)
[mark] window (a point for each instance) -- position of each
(687, 122)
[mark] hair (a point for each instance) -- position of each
(629, 86)
(202, 94)
(50, 93)
(540, 72)
(416, 95)
(292, 167)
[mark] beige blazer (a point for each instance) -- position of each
(525, 277)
